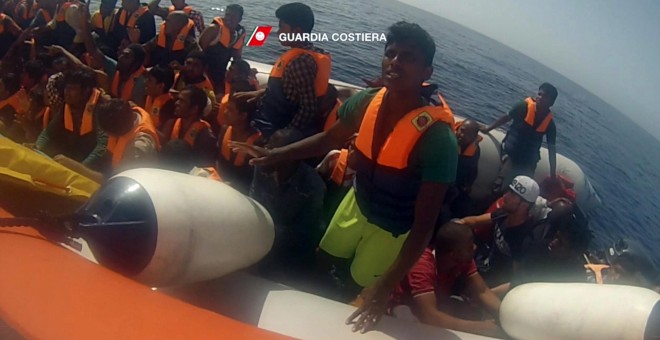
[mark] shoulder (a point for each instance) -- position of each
(518, 110)
(353, 108)
(439, 140)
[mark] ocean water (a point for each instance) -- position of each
(482, 78)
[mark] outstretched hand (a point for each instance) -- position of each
(261, 156)
(374, 306)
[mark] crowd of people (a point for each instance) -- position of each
(369, 190)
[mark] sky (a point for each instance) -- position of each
(609, 47)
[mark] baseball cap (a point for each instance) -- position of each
(526, 188)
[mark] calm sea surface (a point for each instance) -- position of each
(483, 78)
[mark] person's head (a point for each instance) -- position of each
(37, 99)
(294, 17)
(194, 65)
(175, 22)
(131, 58)
(546, 95)
(238, 70)
(562, 210)
(408, 58)
(190, 102)
(239, 111)
(467, 133)
(176, 155)
(179, 4)
(78, 86)
(233, 15)
(159, 81)
(115, 117)
(107, 6)
(33, 72)
(454, 242)
(9, 84)
(630, 264)
(521, 195)
(130, 5)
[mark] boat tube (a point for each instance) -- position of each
(580, 311)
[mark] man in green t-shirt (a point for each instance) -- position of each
(405, 159)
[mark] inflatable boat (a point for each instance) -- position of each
(140, 257)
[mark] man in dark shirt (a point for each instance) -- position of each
(467, 134)
(511, 225)
(133, 24)
(532, 120)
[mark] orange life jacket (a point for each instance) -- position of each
(531, 116)
(154, 106)
(15, 101)
(472, 148)
(226, 35)
(186, 9)
(101, 23)
(222, 112)
(61, 11)
(87, 124)
(386, 187)
(45, 117)
(46, 15)
(117, 145)
(131, 21)
(2, 22)
(323, 66)
(227, 152)
(192, 132)
(339, 172)
(333, 116)
(179, 43)
(28, 12)
(127, 89)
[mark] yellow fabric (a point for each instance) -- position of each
(22, 165)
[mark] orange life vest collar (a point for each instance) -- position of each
(227, 33)
(117, 145)
(44, 114)
(186, 9)
(395, 151)
(227, 152)
(323, 65)
(47, 16)
(154, 106)
(15, 101)
(87, 124)
(472, 148)
(333, 116)
(338, 175)
(61, 11)
(127, 89)
(2, 22)
(131, 21)
(194, 129)
(530, 118)
(179, 42)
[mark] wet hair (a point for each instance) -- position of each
(198, 97)
(139, 54)
(296, 15)
(84, 77)
(550, 91)
(163, 75)
(115, 116)
(241, 66)
(11, 81)
(199, 55)
(412, 34)
(34, 69)
(235, 8)
(451, 235)
(243, 105)
(177, 155)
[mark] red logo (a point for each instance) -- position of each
(259, 36)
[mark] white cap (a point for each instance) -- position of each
(526, 188)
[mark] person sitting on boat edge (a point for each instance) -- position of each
(467, 134)
(73, 130)
(385, 221)
(221, 41)
(293, 193)
(298, 79)
(532, 119)
(444, 269)
(178, 5)
(511, 225)
(191, 127)
(132, 140)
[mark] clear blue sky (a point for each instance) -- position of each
(609, 47)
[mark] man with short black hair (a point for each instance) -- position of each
(174, 42)
(178, 5)
(298, 79)
(532, 119)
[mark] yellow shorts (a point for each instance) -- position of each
(349, 235)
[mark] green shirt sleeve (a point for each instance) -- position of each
(438, 154)
(352, 110)
(518, 111)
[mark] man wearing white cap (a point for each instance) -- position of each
(511, 224)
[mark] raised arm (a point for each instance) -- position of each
(499, 122)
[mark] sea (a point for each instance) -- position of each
(482, 78)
